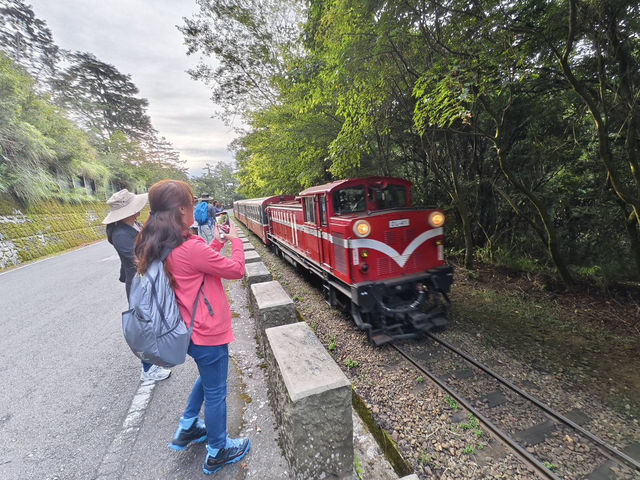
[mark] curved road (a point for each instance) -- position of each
(68, 378)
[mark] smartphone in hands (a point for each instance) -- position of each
(222, 231)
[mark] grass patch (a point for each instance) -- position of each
(567, 332)
(451, 403)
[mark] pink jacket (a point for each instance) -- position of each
(189, 264)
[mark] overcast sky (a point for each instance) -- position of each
(140, 38)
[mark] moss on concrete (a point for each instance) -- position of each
(386, 443)
(50, 226)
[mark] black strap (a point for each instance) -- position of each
(164, 254)
(195, 307)
(154, 295)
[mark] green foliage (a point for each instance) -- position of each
(350, 363)
(469, 450)
(219, 182)
(451, 403)
(473, 425)
(479, 106)
(74, 131)
(44, 155)
(358, 467)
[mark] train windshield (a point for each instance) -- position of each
(390, 196)
(350, 200)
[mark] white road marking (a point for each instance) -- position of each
(121, 447)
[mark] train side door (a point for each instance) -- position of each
(325, 239)
(313, 232)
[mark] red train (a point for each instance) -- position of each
(253, 214)
(372, 251)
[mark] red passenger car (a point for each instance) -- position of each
(252, 213)
(369, 246)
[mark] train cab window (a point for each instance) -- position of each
(309, 210)
(391, 196)
(323, 210)
(349, 200)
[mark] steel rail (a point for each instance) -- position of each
(530, 459)
(558, 416)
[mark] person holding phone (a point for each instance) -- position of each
(192, 265)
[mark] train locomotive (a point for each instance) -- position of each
(375, 254)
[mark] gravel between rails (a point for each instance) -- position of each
(417, 414)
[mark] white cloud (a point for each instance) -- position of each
(140, 38)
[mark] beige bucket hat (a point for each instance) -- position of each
(123, 204)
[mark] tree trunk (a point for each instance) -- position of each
(551, 241)
(468, 237)
(631, 224)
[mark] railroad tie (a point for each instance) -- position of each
(536, 434)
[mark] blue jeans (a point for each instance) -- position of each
(211, 388)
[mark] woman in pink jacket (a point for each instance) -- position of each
(192, 266)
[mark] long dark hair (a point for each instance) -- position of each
(164, 229)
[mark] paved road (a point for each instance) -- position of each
(68, 382)
(67, 377)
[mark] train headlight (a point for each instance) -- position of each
(362, 228)
(436, 219)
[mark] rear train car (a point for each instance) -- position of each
(252, 213)
(373, 252)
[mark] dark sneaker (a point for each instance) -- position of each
(197, 433)
(235, 449)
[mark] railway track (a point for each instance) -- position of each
(493, 401)
(531, 440)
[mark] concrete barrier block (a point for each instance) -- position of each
(272, 306)
(251, 256)
(313, 403)
(256, 272)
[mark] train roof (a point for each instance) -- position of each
(287, 204)
(263, 200)
(327, 187)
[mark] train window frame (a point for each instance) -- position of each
(376, 193)
(339, 198)
(322, 207)
(310, 211)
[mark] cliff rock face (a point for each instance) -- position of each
(45, 228)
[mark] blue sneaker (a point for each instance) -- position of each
(196, 433)
(234, 450)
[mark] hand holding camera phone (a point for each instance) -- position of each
(223, 225)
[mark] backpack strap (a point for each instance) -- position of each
(154, 295)
(164, 254)
(195, 306)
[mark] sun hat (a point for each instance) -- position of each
(123, 204)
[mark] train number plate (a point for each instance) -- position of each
(399, 223)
